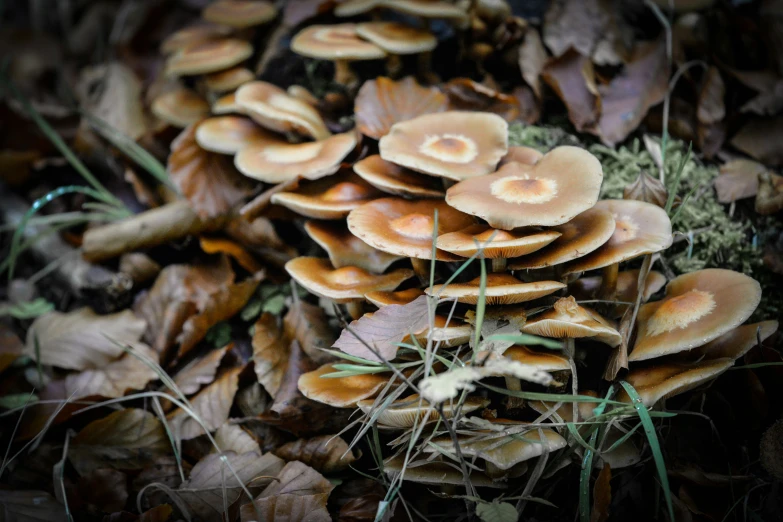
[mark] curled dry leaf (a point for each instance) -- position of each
(532, 58)
(466, 95)
(221, 245)
(10, 346)
(30, 506)
(738, 179)
(112, 93)
(325, 453)
(211, 405)
(82, 339)
(308, 324)
(200, 372)
(104, 490)
(208, 180)
(231, 437)
(591, 27)
(760, 138)
(648, 189)
(572, 78)
(270, 353)
(602, 495)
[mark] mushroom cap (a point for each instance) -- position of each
(239, 13)
(346, 8)
(437, 472)
(547, 361)
(397, 180)
(228, 80)
(208, 57)
(334, 42)
(452, 144)
(403, 227)
(328, 198)
(500, 289)
(229, 134)
(502, 244)
(566, 410)
(345, 249)
(191, 35)
(276, 110)
(302, 93)
(405, 412)
(382, 102)
(562, 184)
(736, 343)
(344, 284)
(400, 297)
(580, 236)
(520, 154)
(569, 320)
(627, 280)
(180, 107)
(397, 38)
(640, 228)
(698, 307)
(428, 9)
(446, 332)
(340, 392)
(276, 160)
(672, 378)
(226, 104)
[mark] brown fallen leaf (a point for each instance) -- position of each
(532, 58)
(466, 95)
(10, 346)
(211, 405)
(710, 113)
(220, 245)
(572, 78)
(591, 27)
(769, 199)
(140, 267)
(104, 490)
(308, 324)
(738, 179)
(30, 506)
(767, 103)
(231, 437)
(648, 189)
(200, 372)
(112, 93)
(760, 138)
(602, 495)
(325, 453)
(270, 353)
(163, 470)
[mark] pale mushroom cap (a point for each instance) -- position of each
(502, 244)
(327, 198)
(404, 412)
(207, 57)
(520, 154)
(400, 297)
(345, 249)
(569, 320)
(737, 342)
(561, 185)
(580, 236)
(340, 392)
(669, 379)
(698, 307)
(547, 361)
(397, 38)
(446, 333)
(301, 93)
(405, 227)
(276, 110)
(226, 104)
(191, 35)
(500, 289)
(346, 8)
(239, 13)
(640, 228)
(427, 9)
(334, 42)
(228, 80)
(623, 456)
(180, 107)
(566, 410)
(229, 134)
(382, 102)
(627, 280)
(438, 473)
(276, 161)
(453, 144)
(397, 180)
(344, 284)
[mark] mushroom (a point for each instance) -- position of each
(229, 134)
(338, 43)
(568, 320)
(520, 154)
(540, 360)
(699, 307)
(400, 39)
(436, 472)
(345, 249)
(340, 392)
(397, 180)
(452, 144)
(240, 14)
(342, 285)
(208, 57)
(466, 95)
(276, 110)
(192, 35)
(562, 184)
(428, 9)
(226, 104)
(180, 107)
(586, 288)
(400, 297)
(346, 8)
(276, 160)
(446, 333)
(500, 289)
(328, 198)
(736, 343)
(498, 245)
(228, 80)
(405, 412)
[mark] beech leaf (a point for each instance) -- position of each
(497, 512)
(308, 324)
(200, 372)
(270, 353)
(211, 405)
(231, 437)
(325, 453)
(30, 506)
(116, 378)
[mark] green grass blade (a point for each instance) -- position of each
(584, 480)
(553, 397)
(481, 304)
(677, 177)
(527, 339)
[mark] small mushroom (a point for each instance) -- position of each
(193, 35)
(228, 80)
(500, 289)
(328, 198)
(436, 472)
(397, 180)
(446, 333)
(407, 411)
(546, 361)
(737, 342)
(568, 320)
(400, 297)
(180, 107)
(520, 154)
(340, 392)
(400, 39)
(586, 288)
(345, 249)
(208, 57)
(347, 8)
(226, 104)
(229, 134)
(239, 14)
(429, 9)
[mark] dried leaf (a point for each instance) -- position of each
(112, 93)
(230, 437)
(648, 189)
(11, 347)
(30, 506)
(602, 495)
(114, 379)
(208, 180)
(466, 95)
(104, 490)
(218, 245)
(82, 339)
(572, 78)
(711, 108)
(361, 509)
(383, 330)
(308, 324)
(767, 103)
(738, 179)
(200, 371)
(769, 199)
(532, 58)
(591, 27)
(270, 353)
(163, 471)
(211, 405)
(760, 138)
(325, 453)
(497, 512)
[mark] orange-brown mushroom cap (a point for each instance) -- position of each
(436, 472)
(547, 361)
(397, 38)
(737, 342)
(228, 80)
(229, 134)
(397, 180)
(407, 411)
(334, 42)
(192, 35)
(180, 107)
(403, 227)
(344, 284)
(452, 144)
(698, 307)
(276, 110)
(226, 104)
(239, 13)
(627, 281)
(496, 243)
(569, 320)
(446, 333)
(340, 392)
(500, 289)
(345, 249)
(345, 8)
(332, 197)
(428, 9)
(561, 185)
(207, 57)
(400, 297)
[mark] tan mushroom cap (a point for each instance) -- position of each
(640, 228)
(276, 160)
(520, 154)
(229, 134)
(276, 110)
(453, 144)
(446, 333)
(397, 180)
(344, 284)
(437, 472)
(239, 13)
(400, 297)
(228, 80)
(397, 38)
(328, 198)
(405, 412)
(698, 307)
(737, 342)
(226, 105)
(405, 227)
(564, 183)
(580, 236)
(207, 57)
(345, 249)
(340, 392)
(192, 35)
(428, 9)
(547, 361)
(566, 410)
(569, 320)
(625, 455)
(627, 280)
(346, 8)
(180, 107)
(500, 289)
(334, 42)
(672, 378)
(499, 243)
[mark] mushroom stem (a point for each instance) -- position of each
(513, 384)
(343, 73)
(569, 349)
(422, 269)
(393, 65)
(355, 309)
(424, 61)
(499, 264)
(608, 288)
